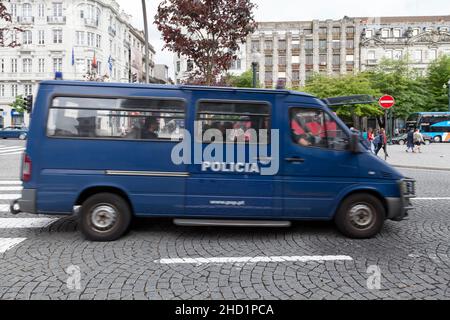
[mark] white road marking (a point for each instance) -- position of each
(16, 182)
(11, 154)
(12, 150)
(8, 243)
(4, 208)
(18, 188)
(12, 147)
(439, 198)
(9, 196)
(223, 260)
(26, 223)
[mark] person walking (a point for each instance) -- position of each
(410, 141)
(382, 143)
(370, 139)
(418, 140)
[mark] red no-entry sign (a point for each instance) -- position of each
(387, 102)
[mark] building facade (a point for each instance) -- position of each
(291, 52)
(67, 36)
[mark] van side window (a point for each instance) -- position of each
(233, 122)
(128, 119)
(314, 128)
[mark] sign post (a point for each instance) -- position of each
(387, 102)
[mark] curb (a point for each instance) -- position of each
(420, 167)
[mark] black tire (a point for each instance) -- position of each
(98, 205)
(361, 204)
(23, 136)
(438, 139)
(401, 142)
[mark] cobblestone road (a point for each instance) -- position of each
(38, 257)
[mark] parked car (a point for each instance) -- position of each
(401, 139)
(14, 133)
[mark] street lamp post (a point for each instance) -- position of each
(255, 63)
(147, 49)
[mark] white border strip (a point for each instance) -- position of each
(9, 243)
(441, 198)
(4, 208)
(223, 260)
(16, 188)
(5, 183)
(9, 196)
(26, 223)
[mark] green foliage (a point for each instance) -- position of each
(19, 104)
(245, 80)
(438, 76)
(345, 85)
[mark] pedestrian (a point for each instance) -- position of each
(382, 143)
(410, 141)
(370, 138)
(418, 140)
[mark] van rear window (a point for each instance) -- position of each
(128, 119)
(247, 122)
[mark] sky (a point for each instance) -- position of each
(295, 10)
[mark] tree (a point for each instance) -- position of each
(438, 75)
(245, 80)
(346, 85)
(19, 104)
(206, 31)
(398, 79)
(7, 29)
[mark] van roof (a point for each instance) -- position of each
(169, 87)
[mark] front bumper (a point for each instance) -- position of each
(26, 204)
(398, 207)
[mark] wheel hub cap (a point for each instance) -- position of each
(104, 217)
(361, 216)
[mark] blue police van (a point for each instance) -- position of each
(202, 156)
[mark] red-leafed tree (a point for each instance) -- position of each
(208, 32)
(7, 29)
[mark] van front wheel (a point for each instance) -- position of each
(360, 216)
(104, 217)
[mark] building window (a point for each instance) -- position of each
(14, 10)
(26, 10)
(336, 44)
(295, 75)
(336, 30)
(369, 34)
(371, 55)
(307, 31)
(57, 64)
(295, 59)
(28, 89)
(415, 32)
(397, 33)
(80, 38)
(350, 44)
(27, 65)
(255, 45)
(322, 30)
(178, 66)
(323, 59)
(349, 59)
(432, 54)
(322, 45)
(57, 9)
(41, 37)
(282, 44)
(350, 29)
(336, 59)
(309, 45)
(41, 65)
(14, 90)
(268, 61)
(268, 76)
(309, 59)
(295, 44)
(397, 54)
(388, 54)
(268, 45)
(57, 36)
(98, 42)
(90, 39)
(41, 11)
(418, 55)
(236, 64)
(2, 90)
(385, 33)
(27, 37)
(14, 65)
(2, 65)
(282, 60)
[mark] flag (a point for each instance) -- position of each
(73, 56)
(110, 64)
(94, 62)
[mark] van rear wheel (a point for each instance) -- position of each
(104, 217)
(360, 216)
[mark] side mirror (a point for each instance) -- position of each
(354, 143)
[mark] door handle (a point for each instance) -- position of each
(300, 160)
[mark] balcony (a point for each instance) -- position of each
(25, 20)
(112, 31)
(56, 20)
(372, 62)
(91, 23)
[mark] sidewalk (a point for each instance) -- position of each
(435, 156)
